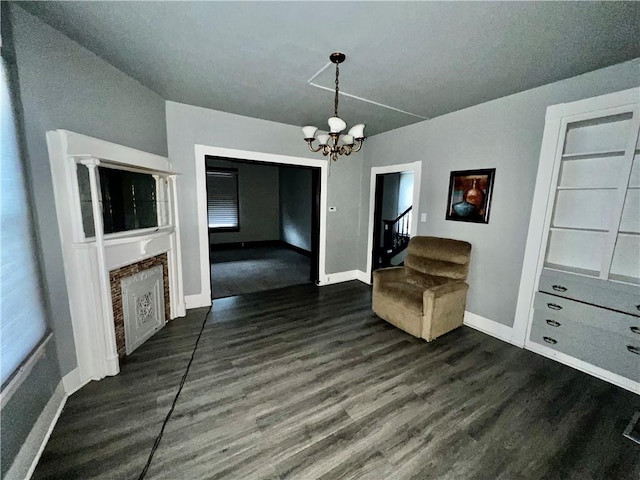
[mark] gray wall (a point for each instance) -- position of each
(258, 198)
(296, 206)
(188, 125)
(64, 86)
(504, 134)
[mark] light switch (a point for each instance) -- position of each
(423, 217)
(333, 209)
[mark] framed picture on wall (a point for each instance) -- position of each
(470, 195)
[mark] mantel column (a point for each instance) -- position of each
(107, 356)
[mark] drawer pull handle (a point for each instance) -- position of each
(633, 349)
(635, 330)
(553, 341)
(553, 323)
(559, 288)
(554, 306)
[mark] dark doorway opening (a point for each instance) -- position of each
(392, 218)
(276, 243)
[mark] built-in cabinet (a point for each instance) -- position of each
(584, 241)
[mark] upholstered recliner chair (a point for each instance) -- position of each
(427, 296)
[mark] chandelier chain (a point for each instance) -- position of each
(335, 102)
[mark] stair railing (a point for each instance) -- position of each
(396, 232)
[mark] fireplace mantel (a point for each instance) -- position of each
(88, 261)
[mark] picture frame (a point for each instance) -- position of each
(470, 192)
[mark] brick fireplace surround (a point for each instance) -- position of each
(115, 276)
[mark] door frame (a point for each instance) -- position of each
(201, 152)
(416, 168)
(377, 219)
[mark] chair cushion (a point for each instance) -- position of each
(442, 257)
(426, 266)
(443, 249)
(405, 294)
(423, 280)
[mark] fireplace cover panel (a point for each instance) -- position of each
(143, 306)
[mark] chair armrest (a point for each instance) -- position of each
(435, 293)
(443, 309)
(391, 274)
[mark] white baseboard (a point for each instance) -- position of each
(180, 310)
(490, 327)
(198, 300)
(25, 462)
(363, 277)
(339, 277)
(585, 367)
(73, 382)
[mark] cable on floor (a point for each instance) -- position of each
(175, 400)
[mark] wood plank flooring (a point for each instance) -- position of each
(306, 383)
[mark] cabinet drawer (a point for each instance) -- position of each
(611, 352)
(616, 296)
(561, 309)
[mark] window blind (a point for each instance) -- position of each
(22, 313)
(222, 199)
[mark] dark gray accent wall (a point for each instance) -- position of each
(295, 207)
(64, 86)
(258, 197)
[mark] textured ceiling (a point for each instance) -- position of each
(429, 58)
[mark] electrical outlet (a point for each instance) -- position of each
(423, 217)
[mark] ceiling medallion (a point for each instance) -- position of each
(334, 144)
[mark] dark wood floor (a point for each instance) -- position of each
(307, 383)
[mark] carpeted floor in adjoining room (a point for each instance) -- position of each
(256, 269)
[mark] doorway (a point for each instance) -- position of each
(393, 213)
(264, 225)
(392, 218)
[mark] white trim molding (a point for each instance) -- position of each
(198, 300)
(416, 168)
(490, 327)
(340, 277)
(585, 367)
(25, 462)
(73, 382)
(201, 152)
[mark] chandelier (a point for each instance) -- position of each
(333, 143)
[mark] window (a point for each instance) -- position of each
(22, 312)
(222, 200)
